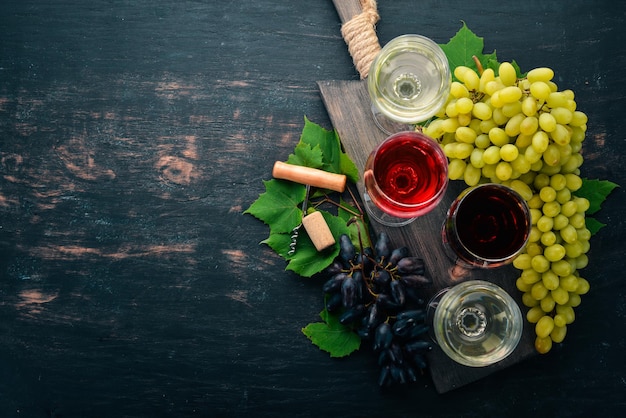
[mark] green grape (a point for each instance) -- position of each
(539, 290)
(509, 152)
(456, 168)
(492, 155)
(569, 234)
(558, 333)
(545, 223)
(540, 74)
(544, 326)
(547, 122)
(498, 137)
(528, 300)
(465, 134)
(540, 90)
(563, 268)
(534, 314)
(547, 304)
(543, 345)
(527, 134)
(459, 90)
(530, 276)
(464, 105)
(482, 111)
(569, 283)
(487, 76)
(560, 295)
(550, 280)
(562, 115)
(529, 106)
(507, 73)
(559, 320)
(567, 312)
(554, 252)
(551, 209)
(504, 171)
(522, 261)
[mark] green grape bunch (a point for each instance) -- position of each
(522, 131)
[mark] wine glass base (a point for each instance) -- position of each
(382, 217)
(388, 126)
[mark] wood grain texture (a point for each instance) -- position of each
(348, 105)
(134, 133)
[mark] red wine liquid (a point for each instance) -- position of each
(409, 174)
(492, 223)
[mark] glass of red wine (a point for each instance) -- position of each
(405, 176)
(486, 226)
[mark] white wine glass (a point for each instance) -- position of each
(476, 323)
(408, 82)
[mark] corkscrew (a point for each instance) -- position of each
(314, 223)
(296, 231)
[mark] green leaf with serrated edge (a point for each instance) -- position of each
(306, 155)
(593, 225)
(463, 46)
(596, 191)
(278, 207)
(334, 159)
(307, 261)
(279, 242)
(331, 336)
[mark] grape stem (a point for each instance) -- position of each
(479, 65)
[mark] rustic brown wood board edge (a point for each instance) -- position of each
(348, 106)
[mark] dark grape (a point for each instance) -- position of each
(333, 302)
(382, 247)
(411, 265)
(346, 249)
(382, 278)
(398, 254)
(377, 294)
(349, 292)
(415, 280)
(382, 337)
(334, 283)
(415, 314)
(353, 314)
(396, 289)
(418, 346)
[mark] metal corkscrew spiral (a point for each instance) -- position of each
(296, 231)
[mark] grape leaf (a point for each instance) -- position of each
(462, 48)
(307, 261)
(596, 191)
(334, 159)
(593, 225)
(306, 155)
(278, 206)
(331, 336)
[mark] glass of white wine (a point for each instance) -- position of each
(476, 323)
(408, 83)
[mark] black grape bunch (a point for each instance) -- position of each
(377, 292)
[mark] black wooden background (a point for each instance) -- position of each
(134, 133)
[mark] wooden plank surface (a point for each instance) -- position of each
(348, 105)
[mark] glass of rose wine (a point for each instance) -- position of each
(408, 82)
(476, 323)
(405, 176)
(486, 226)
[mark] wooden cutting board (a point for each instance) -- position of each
(348, 105)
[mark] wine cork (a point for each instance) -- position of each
(311, 176)
(318, 230)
